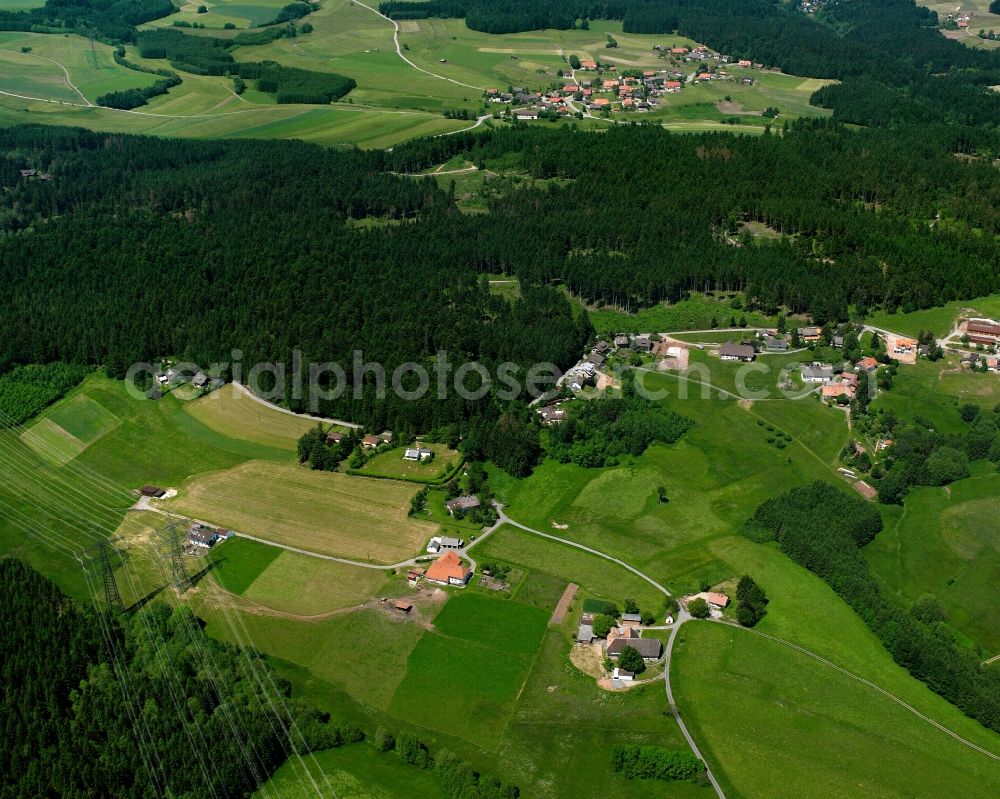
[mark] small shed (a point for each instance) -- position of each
(402, 606)
(152, 491)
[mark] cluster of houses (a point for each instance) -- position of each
(628, 633)
(374, 442)
(174, 377)
(975, 360)
(837, 383)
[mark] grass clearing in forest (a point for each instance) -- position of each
(946, 544)
(324, 512)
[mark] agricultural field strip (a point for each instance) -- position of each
(69, 81)
(399, 51)
(870, 684)
(309, 553)
(803, 650)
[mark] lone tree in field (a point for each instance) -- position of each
(630, 659)
(698, 608)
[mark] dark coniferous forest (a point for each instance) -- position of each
(141, 247)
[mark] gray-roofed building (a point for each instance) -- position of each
(649, 648)
(585, 635)
(817, 373)
(631, 619)
(776, 344)
(642, 342)
(736, 352)
(621, 341)
(596, 358)
(461, 504)
(602, 347)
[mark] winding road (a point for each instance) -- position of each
(399, 51)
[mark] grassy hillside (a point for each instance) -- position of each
(946, 543)
(784, 725)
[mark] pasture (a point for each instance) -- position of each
(714, 476)
(479, 657)
(69, 428)
(799, 724)
(934, 391)
(324, 512)
(238, 563)
(350, 772)
(232, 413)
(946, 543)
(305, 586)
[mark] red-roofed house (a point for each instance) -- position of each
(673, 86)
(570, 88)
(588, 64)
(679, 50)
(867, 364)
(744, 63)
(448, 570)
(714, 598)
(607, 85)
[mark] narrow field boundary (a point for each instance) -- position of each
(563, 605)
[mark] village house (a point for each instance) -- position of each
(448, 570)
(621, 341)
(200, 379)
(810, 333)
(585, 634)
(622, 675)
(462, 504)
(817, 373)
(866, 364)
(835, 390)
(201, 536)
(418, 454)
(776, 344)
(553, 414)
(595, 358)
(370, 442)
(588, 64)
(904, 346)
(152, 491)
(982, 331)
(642, 342)
(440, 543)
(736, 352)
(648, 648)
(631, 620)
(602, 348)
(526, 113)
(713, 598)
(334, 437)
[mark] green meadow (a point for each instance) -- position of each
(351, 772)
(945, 543)
(239, 562)
(780, 724)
